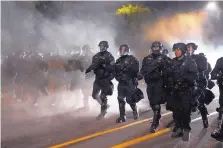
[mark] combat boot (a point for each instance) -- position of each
(204, 113)
(135, 115)
(205, 123)
(155, 122)
(177, 133)
(218, 133)
(135, 111)
(176, 126)
(174, 129)
(103, 110)
(101, 116)
(186, 135)
(122, 117)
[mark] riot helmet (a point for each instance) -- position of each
(86, 48)
(103, 46)
(191, 47)
(76, 50)
(179, 49)
(124, 50)
(202, 54)
(165, 52)
(156, 47)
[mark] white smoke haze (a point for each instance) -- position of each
(78, 23)
(24, 29)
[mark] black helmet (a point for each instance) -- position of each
(165, 51)
(103, 45)
(156, 44)
(202, 54)
(86, 47)
(193, 45)
(124, 50)
(181, 46)
(76, 50)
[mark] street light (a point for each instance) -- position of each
(211, 6)
(213, 10)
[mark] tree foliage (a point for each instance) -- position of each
(135, 16)
(131, 9)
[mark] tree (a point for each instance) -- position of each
(134, 14)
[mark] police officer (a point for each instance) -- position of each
(210, 84)
(209, 69)
(127, 69)
(152, 71)
(217, 74)
(79, 63)
(165, 52)
(184, 75)
(85, 62)
(103, 67)
(73, 66)
(202, 66)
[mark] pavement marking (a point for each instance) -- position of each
(150, 136)
(103, 132)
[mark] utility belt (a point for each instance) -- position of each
(129, 81)
(153, 77)
(182, 86)
(102, 74)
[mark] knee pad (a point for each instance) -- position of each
(95, 96)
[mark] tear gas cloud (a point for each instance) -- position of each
(24, 28)
(185, 27)
(78, 23)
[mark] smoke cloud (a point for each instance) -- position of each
(179, 26)
(24, 28)
(185, 27)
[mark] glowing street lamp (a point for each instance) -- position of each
(213, 10)
(211, 6)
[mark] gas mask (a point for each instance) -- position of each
(156, 52)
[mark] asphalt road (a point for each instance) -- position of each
(67, 130)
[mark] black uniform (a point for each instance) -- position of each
(32, 73)
(209, 69)
(127, 69)
(153, 71)
(184, 76)
(80, 62)
(165, 52)
(202, 66)
(85, 62)
(217, 74)
(103, 67)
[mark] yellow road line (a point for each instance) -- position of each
(150, 136)
(102, 133)
(143, 138)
